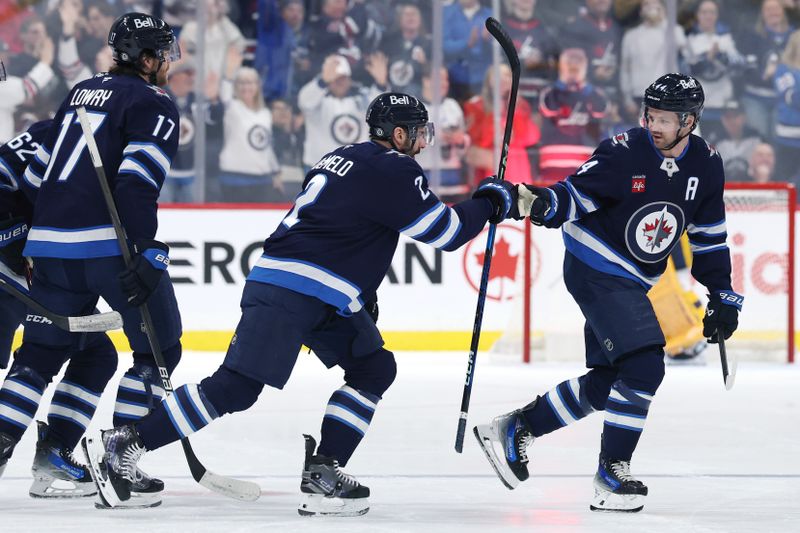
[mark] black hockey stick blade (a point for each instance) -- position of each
(75, 324)
(728, 364)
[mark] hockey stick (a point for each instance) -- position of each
(74, 324)
(502, 37)
(227, 486)
(728, 365)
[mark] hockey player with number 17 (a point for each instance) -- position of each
(621, 214)
(315, 285)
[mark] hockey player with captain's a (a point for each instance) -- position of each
(315, 285)
(621, 213)
(76, 253)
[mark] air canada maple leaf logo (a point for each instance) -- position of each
(505, 274)
(504, 263)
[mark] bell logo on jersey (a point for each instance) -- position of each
(637, 183)
(653, 231)
(399, 100)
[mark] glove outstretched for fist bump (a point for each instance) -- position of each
(722, 314)
(140, 279)
(503, 195)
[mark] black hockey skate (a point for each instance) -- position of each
(327, 491)
(615, 489)
(112, 457)
(511, 433)
(56, 472)
(7, 443)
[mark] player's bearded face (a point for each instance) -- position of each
(664, 126)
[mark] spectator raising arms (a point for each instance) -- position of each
(249, 169)
(479, 116)
(220, 35)
(332, 105)
(407, 49)
(23, 87)
(280, 32)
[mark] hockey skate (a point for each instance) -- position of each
(616, 490)
(56, 472)
(511, 433)
(112, 457)
(7, 444)
(327, 491)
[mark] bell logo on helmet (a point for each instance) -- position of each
(688, 84)
(144, 23)
(398, 100)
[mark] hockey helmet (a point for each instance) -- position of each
(679, 93)
(392, 110)
(133, 34)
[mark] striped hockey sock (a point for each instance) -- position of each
(19, 399)
(561, 406)
(71, 410)
(137, 395)
(347, 418)
(183, 412)
(626, 412)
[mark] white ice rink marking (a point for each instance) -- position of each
(715, 461)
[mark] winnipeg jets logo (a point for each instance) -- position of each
(656, 231)
(653, 231)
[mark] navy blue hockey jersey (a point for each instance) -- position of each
(337, 242)
(624, 210)
(136, 128)
(17, 195)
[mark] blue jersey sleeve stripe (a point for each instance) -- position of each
(698, 250)
(10, 182)
(130, 166)
(424, 222)
(153, 152)
(716, 228)
(30, 176)
(450, 232)
(585, 203)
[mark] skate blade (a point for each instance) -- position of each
(45, 487)
(319, 505)
(608, 502)
(137, 501)
(95, 459)
(484, 435)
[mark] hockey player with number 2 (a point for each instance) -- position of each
(77, 257)
(621, 213)
(315, 285)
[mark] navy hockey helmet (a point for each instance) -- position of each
(392, 110)
(134, 34)
(679, 93)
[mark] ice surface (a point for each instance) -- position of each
(714, 460)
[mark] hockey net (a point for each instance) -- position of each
(546, 325)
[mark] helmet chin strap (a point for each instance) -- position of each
(412, 138)
(681, 124)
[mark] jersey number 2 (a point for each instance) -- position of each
(306, 198)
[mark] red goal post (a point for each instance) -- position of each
(761, 233)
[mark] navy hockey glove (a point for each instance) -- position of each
(722, 314)
(13, 234)
(503, 196)
(537, 203)
(141, 278)
(372, 309)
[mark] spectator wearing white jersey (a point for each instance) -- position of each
(19, 90)
(334, 106)
(249, 169)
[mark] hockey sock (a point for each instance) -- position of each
(568, 402)
(346, 421)
(626, 412)
(71, 410)
(139, 392)
(183, 412)
(19, 398)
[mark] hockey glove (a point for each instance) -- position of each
(13, 234)
(503, 196)
(722, 314)
(536, 203)
(141, 278)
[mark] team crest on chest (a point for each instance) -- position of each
(653, 230)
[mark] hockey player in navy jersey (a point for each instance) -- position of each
(621, 214)
(315, 285)
(72, 405)
(73, 244)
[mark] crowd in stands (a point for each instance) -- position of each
(285, 81)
